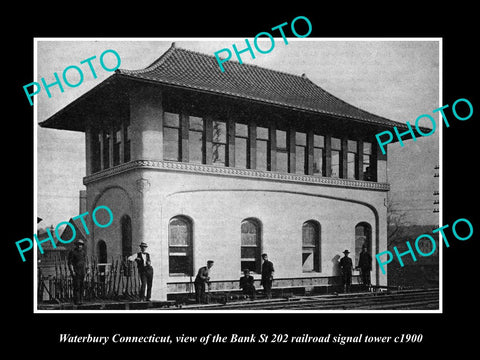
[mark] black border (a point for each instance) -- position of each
(440, 331)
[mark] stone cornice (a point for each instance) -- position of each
(234, 172)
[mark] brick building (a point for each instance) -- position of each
(203, 165)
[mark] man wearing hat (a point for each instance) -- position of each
(346, 267)
(145, 271)
(76, 265)
(365, 266)
(202, 278)
(267, 276)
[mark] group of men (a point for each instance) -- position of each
(77, 261)
(246, 281)
(364, 265)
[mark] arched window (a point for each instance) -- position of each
(363, 237)
(311, 260)
(126, 224)
(180, 246)
(251, 245)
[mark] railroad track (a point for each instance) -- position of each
(394, 300)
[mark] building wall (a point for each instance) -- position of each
(217, 204)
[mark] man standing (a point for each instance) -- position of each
(365, 265)
(247, 284)
(267, 276)
(201, 280)
(346, 266)
(76, 265)
(145, 271)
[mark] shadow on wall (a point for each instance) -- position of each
(336, 265)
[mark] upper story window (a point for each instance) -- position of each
(195, 140)
(241, 145)
(219, 143)
(204, 140)
(117, 143)
(352, 160)
(171, 136)
(282, 151)
(106, 149)
(336, 147)
(262, 148)
(300, 152)
(368, 173)
(126, 137)
(318, 155)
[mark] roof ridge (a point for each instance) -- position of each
(156, 63)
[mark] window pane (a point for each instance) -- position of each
(218, 154)
(307, 260)
(196, 123)
(262, 133)
(126, 149)
(241, 130)
(336, 144)
(309, 234)
(318, 141)
(300, 138)
(282, 161)
(281, 139)
(351, 157)
(171, 145)
(318, 161)
(171, 120)
(300, 160)
(179, 233)
(106, 149)
(367, 171)
(195, 147)
(352, 146)
(362, 238)
(241, 153)
(249, 253)
(249, 234)
(262, 150)
(335, 163)
(219, 132)
(367, 148)
(179, 264)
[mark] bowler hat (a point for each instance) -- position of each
(143, 244)
(346, 252)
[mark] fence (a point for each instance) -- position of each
(116, 280)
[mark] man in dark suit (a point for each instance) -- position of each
(267, 276)
(365, 265)
(203, 277)
(346, 266)
(247, 284)
(145, 271)
(76, 265)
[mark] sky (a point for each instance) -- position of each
(396, 79)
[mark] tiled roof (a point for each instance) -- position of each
(190, 69)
